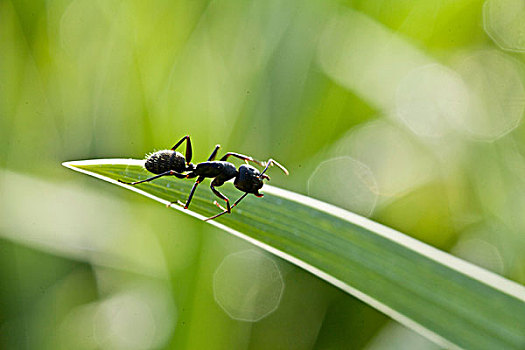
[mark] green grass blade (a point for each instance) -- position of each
(450, 301)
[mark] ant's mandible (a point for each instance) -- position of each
(172, 163)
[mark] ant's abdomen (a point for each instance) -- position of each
(162, 161)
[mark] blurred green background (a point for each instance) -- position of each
(408, 112)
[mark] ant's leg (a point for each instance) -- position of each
(225, 211)
(240, 199)
(189, 152)
(221, 196)
(167, 173)
(241, 156)
(214, 153)
(199, 180)
(234, 204)
(216, 216)
(271, 162)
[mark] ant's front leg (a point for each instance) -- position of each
(240, 156)
(225, 211)
(221, 196)
(233, 205)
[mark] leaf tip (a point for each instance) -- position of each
(70, 164)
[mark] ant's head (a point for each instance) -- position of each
(250, 180)
(165, 160)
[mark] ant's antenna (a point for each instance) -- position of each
(272, 162)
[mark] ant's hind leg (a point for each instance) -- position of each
(189, 152)
(167, 173)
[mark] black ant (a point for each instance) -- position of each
(172, 163)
